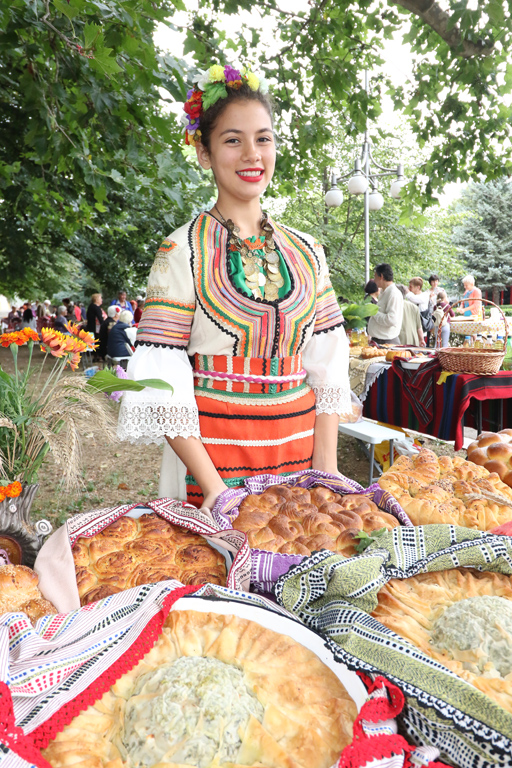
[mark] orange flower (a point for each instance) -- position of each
(17, 337)
(13, 490)
(30, 334)
(85, 336)
(74, 360)
(2, 494)
(55, 342)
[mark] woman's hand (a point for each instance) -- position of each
(211, 496)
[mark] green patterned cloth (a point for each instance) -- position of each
(334, 596)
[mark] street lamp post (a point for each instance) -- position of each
(360, 179)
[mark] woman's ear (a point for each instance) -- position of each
(203, 156)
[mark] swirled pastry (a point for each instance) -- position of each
(445, 490)
(298, 521)
(131, 552)
(461, 618)
(214, 691)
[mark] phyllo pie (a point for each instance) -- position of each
(214, 691)
(462, 618)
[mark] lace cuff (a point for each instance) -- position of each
(144, 422)
(332, 400)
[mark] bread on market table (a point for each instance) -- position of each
(434, 489)
(461, 618)
(298, 521)
(214, 691)
(131, 552)
(368, 352)
(493, 450)
(19, 591)
(403, 354)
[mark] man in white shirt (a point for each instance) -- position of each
(384, 327)
(417, 295)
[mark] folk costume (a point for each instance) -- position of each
(249, 373)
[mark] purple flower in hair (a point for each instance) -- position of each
(189, 93)
(231, 74)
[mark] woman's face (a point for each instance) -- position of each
(242, 152)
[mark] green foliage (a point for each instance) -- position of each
(484, 236)
(107, 382)
(356, 314)
(365, 539)
(86, 151)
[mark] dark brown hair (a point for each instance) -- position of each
(210, 116)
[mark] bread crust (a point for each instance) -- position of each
(299, 521)
(131, 552)
(308, 714)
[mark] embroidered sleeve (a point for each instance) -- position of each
(325, 358)
(170, 302)
(328, 313)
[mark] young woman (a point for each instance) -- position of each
(240, 317)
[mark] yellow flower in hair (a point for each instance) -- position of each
(252, 81)
(217, 74)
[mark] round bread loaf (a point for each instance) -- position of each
(131, 552)
(369, 352)
(19, 591)
(493, 450)
(299, 521)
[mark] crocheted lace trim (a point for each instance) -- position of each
(332, 400)
(143, 423)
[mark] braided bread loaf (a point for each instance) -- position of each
(435, 489)
(298, 521)
(19, 591)
(132, 552)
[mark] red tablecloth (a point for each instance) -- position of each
(390, 400)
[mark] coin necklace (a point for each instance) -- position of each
(260, 285)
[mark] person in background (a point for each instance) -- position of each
(411, 332)
(29, 319)
(371, 291)
(105, 328)
(138, 312)
(470, 305)
(416, 293)
(43, 315)
(119, 344)
(434, 288)
(13, 318)
(443, 317)
(61, 321)
(122, 302)
(384, 327)
(95, 315)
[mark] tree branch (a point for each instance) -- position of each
(433, 15)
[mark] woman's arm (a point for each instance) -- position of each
(325, 451)
(197, 460)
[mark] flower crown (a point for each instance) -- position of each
(211, 85)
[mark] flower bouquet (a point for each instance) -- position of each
(41, 415)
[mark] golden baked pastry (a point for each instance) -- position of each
(19, 592)
(435, 489)
(298, 521)
(461, 618)
(493, 450)
(369, 352)
(401, 353)
(214, 691)
(132, 552)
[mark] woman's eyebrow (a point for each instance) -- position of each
(235, 130)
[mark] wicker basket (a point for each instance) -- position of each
(485, 362)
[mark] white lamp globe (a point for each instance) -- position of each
(333, 198)
(358, 184)
(375, 200)
(396, 188)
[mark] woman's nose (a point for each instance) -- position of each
(252, 151)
